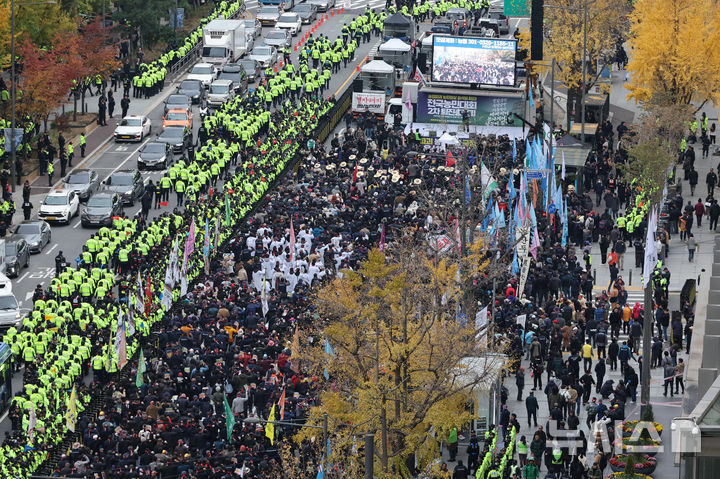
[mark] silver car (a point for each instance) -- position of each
(253, 25)
(279, 38)
(36, 233)
(268, 15)
(265, 55)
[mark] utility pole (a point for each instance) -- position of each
(647, 340)
(369, 456)
(383, 437)
(584, 72)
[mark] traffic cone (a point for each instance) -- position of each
(342, 10)
(295, 49)
(275, 68)
(282, 63)
(332, 12)
(326, 17)
(358, 68)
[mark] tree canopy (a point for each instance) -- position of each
(398, 360)
(675, 50)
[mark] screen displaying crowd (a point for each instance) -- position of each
(473, 63)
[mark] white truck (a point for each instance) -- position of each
(225, 41)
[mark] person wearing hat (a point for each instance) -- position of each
(530, 470)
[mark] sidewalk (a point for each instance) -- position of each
(96, 139)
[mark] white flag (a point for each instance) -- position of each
(651, 253)
(562, 171)
(183, 278)
(264, 300)
(521, 319)
(31, 423)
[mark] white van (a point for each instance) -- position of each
(10, 314)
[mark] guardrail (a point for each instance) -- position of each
(186, 61)
(336, 114)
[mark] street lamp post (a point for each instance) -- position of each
(13, 143)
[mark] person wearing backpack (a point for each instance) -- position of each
(625, 354)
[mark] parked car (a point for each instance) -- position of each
(205, 72)
(278, 38)
(290, 21)
(268, 15)
(252, 68)
(155, 154)
(265, 55)
(322, 5)
(129, 184)
(10, 314)
(178, 117)
(177, 102)
(36, 233)
(307, 12)
(178, 137)
(192, 89)
(133, 128)
(84, 181)
(17, 256)
(59, 205)
(236, 74)
(101, 208)
(253, 26)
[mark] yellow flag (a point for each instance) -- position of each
(270, 426)
(71, 415)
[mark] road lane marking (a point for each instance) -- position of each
(23, 277)
(77, 224)
(51, 248)
(130, 156)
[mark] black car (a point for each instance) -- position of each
(306, 11)
(236, 74)
(252, 69)
(84, 181)
(129, 184)
(177, 101)
(36, 233)
(178, 137)
(502, 19)
(155, 154)
(17, 256)
(101, 208)
(192, 89)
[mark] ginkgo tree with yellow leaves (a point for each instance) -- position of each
(397, 361)
(675, 51)
(564, 35)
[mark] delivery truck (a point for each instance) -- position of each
(225, 41)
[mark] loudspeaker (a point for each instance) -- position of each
(536, 30)
(422, 62)
(357, 85)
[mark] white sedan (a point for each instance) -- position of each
(290, 21)
(60, 205)
(133, 128)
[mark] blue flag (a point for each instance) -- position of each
(565, 227)
(533, 217)
(511, 186)
(488, 216)
(529, 162)
(514, 151)
(467, 189)
(515, 264)
(499, 217)
(532, 102)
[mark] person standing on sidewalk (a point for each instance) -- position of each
(82, 145)
(692, 246)
(110, 103)
(714, 214)
(693, 180)
(711, 180)
(27, 209)
(50, 171)
(125, 105)
(26, 191)
(699, 211)
(102, 107)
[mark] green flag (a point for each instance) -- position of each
(227, 211)
(229, 420)
(142, 367)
